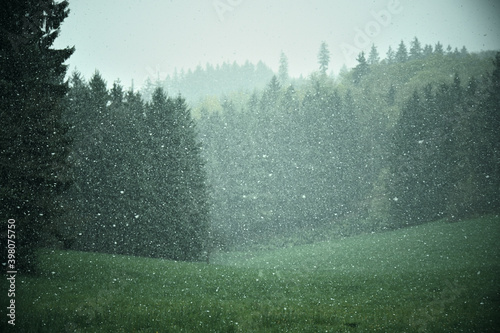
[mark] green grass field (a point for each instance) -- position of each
(437, 277)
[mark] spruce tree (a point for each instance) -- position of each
(419, 171)
(361, 69)
(405, 138)
(76, 103)
(191, 178)
(93, 196)
(373, 56)
(438, 48)
(492, 125)
(283, 69)
(415, 49)
(391, 95)
(176, 178)
(463, 51)
(401, 54)
(390, 56)
(33, 142)
(323, 58)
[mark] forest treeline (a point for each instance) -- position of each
(391, 143)
(139, 180)
(85, 167)
(211, 80)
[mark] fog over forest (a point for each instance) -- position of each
(235, 166)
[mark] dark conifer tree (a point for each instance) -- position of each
(427, 51)
(33, 142)
(401, 54)
(323, 58)
(438, 48)
(463, 51)
(373, 57)
(391, 95)
(179, 221)
(191, 177)
(283, 69)
(99, 157)
(416, 165)
(116, 95)
(361, 69)
(415, 49)
(390, 56)
(491, 132)
(444, 162)
(76, 103)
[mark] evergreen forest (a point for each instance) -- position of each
(391, 143)
(255, 159)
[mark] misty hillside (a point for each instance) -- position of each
(336, 157)
(220, 80)
(394, 82)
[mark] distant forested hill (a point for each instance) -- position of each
(390, 143)
(212, 80)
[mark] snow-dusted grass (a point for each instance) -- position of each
(437, 277)
(433, 246)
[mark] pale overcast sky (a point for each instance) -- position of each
(134, 39)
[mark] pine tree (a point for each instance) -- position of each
(492, 117)
(415, 49)
(463, 51)
(116, 94)
(391, 95)
(443, 156)
(269, 101)
(92, 195)
(194, 197)
(33, 142)
(176, 181)
(283, 69)
(438, 49)
(401, 54)
(361, 69)
(419, 171)
(323, 58)
(373, 57)
(76, 103)
(390, 56)
(99, 93)
(405, 137)
(427, 50)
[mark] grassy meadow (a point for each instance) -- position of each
(437, 277)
